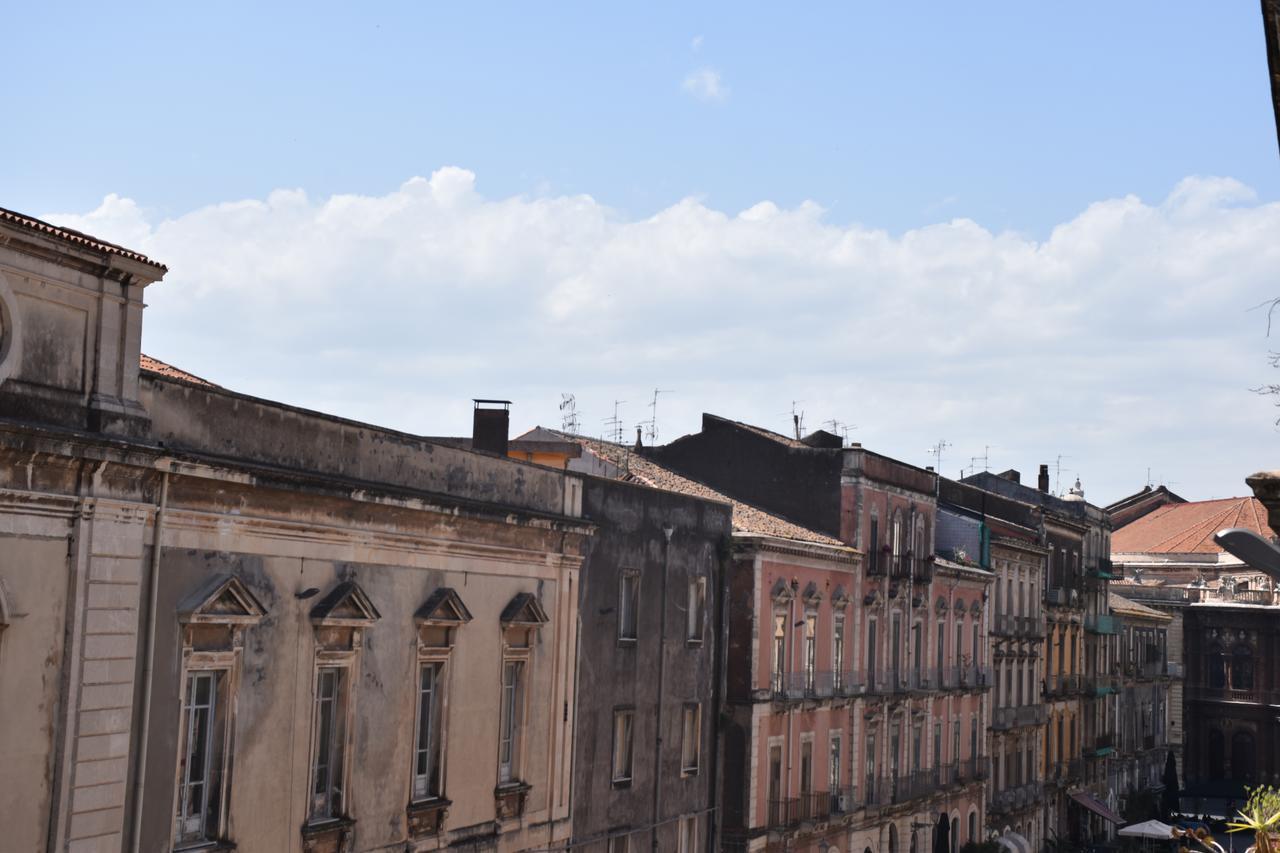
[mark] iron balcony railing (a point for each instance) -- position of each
(783, 813)
(900, 566)
(815, 805)
(971, 769)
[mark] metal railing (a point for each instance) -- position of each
(900, 566)
(783, 813)
(815, 805)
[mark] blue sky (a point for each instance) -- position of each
(891, 114)
(1027, 226)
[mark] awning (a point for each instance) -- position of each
(1149, 829)
(1093, 804)
(1014, 843)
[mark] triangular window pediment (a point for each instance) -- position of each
(524, 609)
(346, 604)
(839, 598)
(223, 600)
(781, 593)
(443, 607)
(812, 595)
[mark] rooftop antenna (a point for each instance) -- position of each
(985, 459)
(936, 452)
(569, 414)
(797, 419)
(1057, 474)
(651, 425)
(840, 428)
(615, 423)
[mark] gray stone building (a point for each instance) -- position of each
(230, 623)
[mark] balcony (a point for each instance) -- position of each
(877, 563)
(850, 682)
(814, 806)
(922, 571)
(1032, 715)
(1149, 742)
(971, 770)
(783, 813)
(1105, 570)
(844, 800)
(1103, 744)
(900, 566)
(1104, 685)
(1101, 623)
(1231, 694)
(1062, 685)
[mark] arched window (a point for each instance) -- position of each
(1216, 754)
(1242, 667)
(955, 834)
(1242, 756)
(1216, 663)
(896, 534)
(972, 837)
(893, 838)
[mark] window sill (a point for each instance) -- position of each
(205, 847)
(696, 642)
(627, 641)
(622, 783)
(327, 835)
(509, 799)
(426, 817)
(686, 772)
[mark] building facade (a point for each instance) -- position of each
(256, 627)
(916, 629)
(1140, 705)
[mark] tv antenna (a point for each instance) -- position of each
(797, 419)
(615, 423)
(840, 428)
(936, 452)
(985, 459)
(651, 425)
(1057, 474)
(569, 414)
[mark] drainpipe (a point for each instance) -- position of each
(667, 530)
(144, 729)
(720, 669)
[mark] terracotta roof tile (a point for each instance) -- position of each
(746, 518)
(155, 365)
(73, 236)
(1188, 528)
(1120, 604)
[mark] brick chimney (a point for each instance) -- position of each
(490, 423)
(1044, 479)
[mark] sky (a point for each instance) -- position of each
(1022, 232)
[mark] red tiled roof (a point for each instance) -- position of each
(73, 236)
(155, 365)
(746, 518)
(1188, 528)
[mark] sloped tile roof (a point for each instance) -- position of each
(72, 236)
(155, 365)
(746, 518)
(1120, 604)
(1188, 528)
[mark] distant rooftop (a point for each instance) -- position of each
(155, 365)
(70, 235)
(1188, 528)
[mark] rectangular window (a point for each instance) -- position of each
(833, 765)
(426, 760)
(623, 725)
(328, 764)
(873, 550)
(871, 654)
(628, 601)
(201, 757)
(837, 650)
(779, 651)
(620, 844)
(689, 834)
(775, 773)
(810, 650)
(869, 767)
(691, 739)
(510, 722)
(806, 767)
(697, 609)
(895, 652)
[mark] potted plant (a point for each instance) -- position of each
(1260, 815)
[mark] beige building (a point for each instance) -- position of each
(227, 623)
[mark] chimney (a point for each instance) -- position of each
(489, 424)
(1044, 479)
(639, 444)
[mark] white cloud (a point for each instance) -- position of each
(705, 85)
(1123, 340)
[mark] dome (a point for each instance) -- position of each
(1075, 493)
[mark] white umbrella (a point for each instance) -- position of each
(1149, 829)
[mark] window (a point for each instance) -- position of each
(620, 844)
(810, 650)
(329, 753)
(697, 609)
(779, 651)
(871, 654)
(833, 765)
(426, 755)
(896, 649)
(691, 739)
(837, 649)
(628, 601)
(874, 550)
(806, 766)
(689, 834)
(623, 726)
(201, 756)
(917, 648)
(869, 762)
(775, 772)
(509, 723)
(213, 620)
